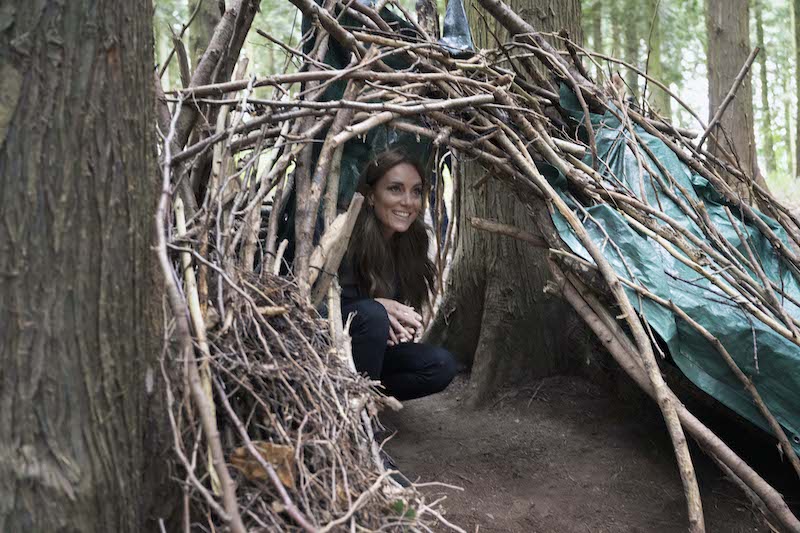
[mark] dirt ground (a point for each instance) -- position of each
(564, 455)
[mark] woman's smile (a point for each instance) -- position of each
(397, 199)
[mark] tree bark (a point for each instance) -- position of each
(495, 316)
(657, 98)
(728, 30)
(201, 30)
(630, 38)
(597, 29)
(616, 29)
(796, 17)
(787, 124)
(766, 112)
(79, 304)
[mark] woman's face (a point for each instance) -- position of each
(397, 198)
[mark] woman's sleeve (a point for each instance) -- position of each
(349, 284)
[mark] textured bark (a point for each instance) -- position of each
(597, 28)
(616, 28)
(79, 308)
(428, 17)
(202, 28)
(495, 316)
(657, 98)
(766, 112)
(727, 26)
(796, 17)
(787, 125)
(630, 37)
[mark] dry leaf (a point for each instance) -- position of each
(280, 456)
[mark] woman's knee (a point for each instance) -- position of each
(370, 318)
(444, 367)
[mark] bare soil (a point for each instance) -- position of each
(564, 455)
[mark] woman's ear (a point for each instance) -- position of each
(370, 199)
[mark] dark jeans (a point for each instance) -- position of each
(408, 370)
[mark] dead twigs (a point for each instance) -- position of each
(289, 407)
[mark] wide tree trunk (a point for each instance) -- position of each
(766, 112)
(728, 30)
(495, 316)
(79, 305)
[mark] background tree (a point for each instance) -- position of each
(79, 307)
(495, 315)
(593, 26)
(657, 98)
(207, 18)
(727, 26)
(796, 18)
(766, 120)
(630, 37)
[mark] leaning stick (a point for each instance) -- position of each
(329, 253)
(291, 508)
(198, 323)
(729, 97)
(183, 333)
(707, 439)
(666, 404)
(741, 376)
(768, 292)
(508, 230)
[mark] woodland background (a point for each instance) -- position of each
(82, 442)
(668, 37)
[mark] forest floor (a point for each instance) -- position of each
(564, 455)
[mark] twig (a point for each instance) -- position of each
(728, 97)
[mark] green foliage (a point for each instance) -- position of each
(403, 509)
(682, 50)
(683, 61)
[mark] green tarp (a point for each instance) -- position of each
(769, 359)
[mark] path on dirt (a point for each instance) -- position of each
(561, 456)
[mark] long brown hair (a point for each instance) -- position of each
(399, 264)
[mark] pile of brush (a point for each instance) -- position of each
(273, 429)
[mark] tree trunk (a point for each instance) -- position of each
(616, 28)
(202, 28)
(597, 26)
(796, 17)
(658, 99)
(79, 304)
(788, 130)
(630, 37)
(495, 316)
(728, 30)
(766, 118)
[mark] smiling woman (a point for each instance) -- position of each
(385, 279)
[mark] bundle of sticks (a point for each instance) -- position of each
(499, 108)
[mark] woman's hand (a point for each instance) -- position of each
(404, 320)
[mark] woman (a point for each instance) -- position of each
(385, 278)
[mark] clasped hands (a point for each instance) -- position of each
(404, 321)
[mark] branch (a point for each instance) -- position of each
(729, 97)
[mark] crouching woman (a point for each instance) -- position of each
(385, 278)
